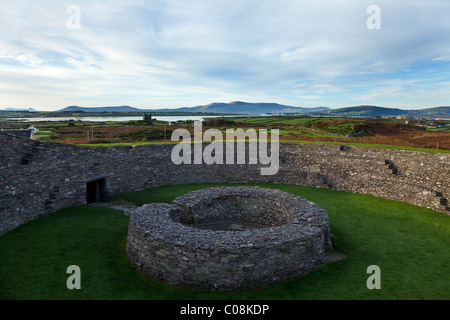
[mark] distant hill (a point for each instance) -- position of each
(236, 107)
(100, 109)
(438, 112)
(20, 109)
(239, 107)
(373, 111)
(366, 111)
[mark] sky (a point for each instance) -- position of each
(175, 53)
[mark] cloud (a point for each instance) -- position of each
(181, 53)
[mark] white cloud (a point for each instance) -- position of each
(309, 97)
(172, 53)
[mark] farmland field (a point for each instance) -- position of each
(353, 131)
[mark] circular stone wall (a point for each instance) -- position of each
(229, 238)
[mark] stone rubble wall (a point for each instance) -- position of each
(230, 203)
(37, 178)
(182, 255)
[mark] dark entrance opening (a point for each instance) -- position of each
(96, 191)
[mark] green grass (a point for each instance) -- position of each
(273, 120)
(410, 245)
(342, 129)
(445, 129)
(313, 134)
(124, 144)
(366, 145)
(305, 132)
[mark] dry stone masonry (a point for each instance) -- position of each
(229, 238)
(37, 178)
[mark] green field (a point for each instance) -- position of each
(380, 146)
(409, 244)
(445, 129)
(306, 123)
(392, 133)
(366, 145)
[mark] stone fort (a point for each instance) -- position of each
(38, 178)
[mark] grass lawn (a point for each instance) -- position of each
(367, 145)
(380, 146)
(409, 244)
(445, 129)
(124, 144)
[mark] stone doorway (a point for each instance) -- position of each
(96, 191)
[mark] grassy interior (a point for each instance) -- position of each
(409, 244)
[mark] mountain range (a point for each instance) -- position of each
(239, 107)
(20, 109)
(374, 111)
(102, 109)
(236, 107)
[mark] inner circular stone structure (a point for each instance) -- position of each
(229, 238)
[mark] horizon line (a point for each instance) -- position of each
(175, 108)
